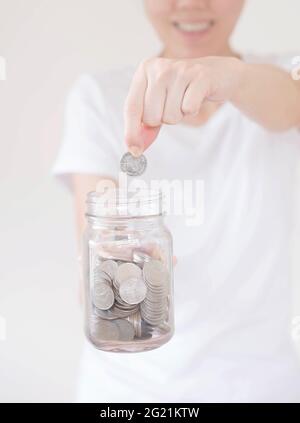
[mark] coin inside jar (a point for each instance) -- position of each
(139, 257)
(109, 267)
(133, 290)
(105, 330)
(103, 296)
(155, 273)
(126, 330)
(126, 271)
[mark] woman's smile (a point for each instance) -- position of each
(193, 30)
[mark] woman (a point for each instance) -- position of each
(230, 120)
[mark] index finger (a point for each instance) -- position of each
(133, 113)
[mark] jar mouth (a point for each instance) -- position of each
(120, 202)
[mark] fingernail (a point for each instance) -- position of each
(135, 150)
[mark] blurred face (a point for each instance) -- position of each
(194, 28)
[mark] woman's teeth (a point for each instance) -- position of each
(194, 27)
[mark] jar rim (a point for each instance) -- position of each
(120, 202)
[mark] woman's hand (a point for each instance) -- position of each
(166, 91)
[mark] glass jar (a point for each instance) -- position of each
(128, 272)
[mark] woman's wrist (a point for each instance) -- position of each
(239, 71)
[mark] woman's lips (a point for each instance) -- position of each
(194, 29)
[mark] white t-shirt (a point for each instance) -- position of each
(232, 284)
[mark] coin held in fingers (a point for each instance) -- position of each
(133, 166)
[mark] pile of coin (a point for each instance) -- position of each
(155, 305)
(129, 299)
(112, 330)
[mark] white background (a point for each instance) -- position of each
(47, 44)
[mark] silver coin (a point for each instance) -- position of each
(104, 330)
(139, 257)
(154, 308)
(155, 273)
(120, 302)
(142, 329)
(129, 309)
(109, 267)
(133, 290)
(153, 322)
(153, 311)
(149, 316)
(124, 306)
(126, 271)
(113, 313)
(99, 273)
(146, 330)
(118, 256)
(155, 304)
(136, 321)
(115, 285)
(157, 290)
(101, 289)
(102, 282)
(116, 311)
(103, 296)
(126, 330)
(99, 276)
(105, 314)
(133, 166)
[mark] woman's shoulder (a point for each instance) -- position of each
(108, 80)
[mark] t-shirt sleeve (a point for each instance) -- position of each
(289, 62)
(90, 144)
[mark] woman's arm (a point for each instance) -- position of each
(166, 91)
(269, 96)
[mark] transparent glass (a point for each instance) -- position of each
(128, 275)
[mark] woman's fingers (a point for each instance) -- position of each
(162, 91)
(148, 135)
(175, 93)
(133, 113)
(194, 95)
(143, 111)
(154, 101)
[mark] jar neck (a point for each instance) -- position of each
(120, 204)
(120, 223)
